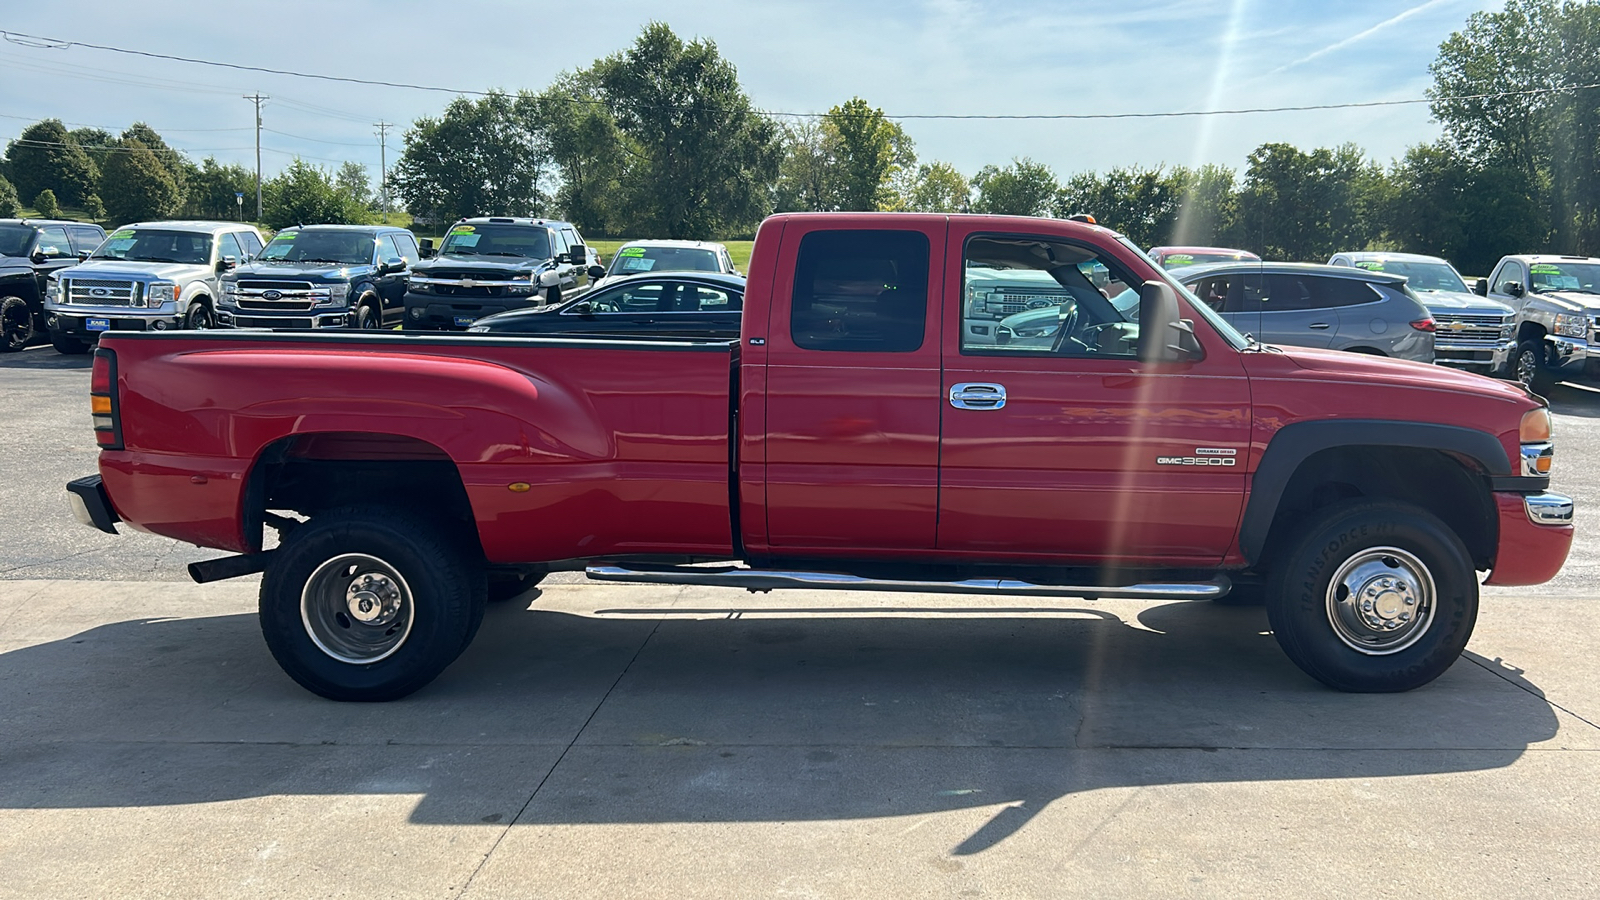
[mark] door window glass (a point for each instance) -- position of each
(251, 244)
(860, 291)
(227, 246)
(1508, 273)
(386, 249)
(407, 247)
(713, 299)
(84, 239)
(1332, 292)
(1285, 293)
(53, 242)
(635, 298)
(1032, 296)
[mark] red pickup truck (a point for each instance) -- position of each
(856, 436)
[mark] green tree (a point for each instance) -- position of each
(1143, 204)
(94, 208)
(175, 163)
(1209, 215)
(940, 187)
(1468, 211)
(1308, 206)
(702, 161)
(96, 142)
(868, 151)
(808, 174)
(353, 181)
(45, 156)
(45, 204)
(10, 206)
(1023, 188)
(482, 157)
(214, 189)
(136, 186)
(304, 194)
(584, 145)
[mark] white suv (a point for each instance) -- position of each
(150, 276)
(639, 257)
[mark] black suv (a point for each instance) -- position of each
(322, 276)
(31, 250)
(491, 264)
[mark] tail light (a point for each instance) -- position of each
(1425, 325)
(103, 400)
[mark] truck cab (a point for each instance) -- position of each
(149, 276)
(1557, 304)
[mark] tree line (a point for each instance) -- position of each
(661, 139)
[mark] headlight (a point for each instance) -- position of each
(52, 289)
(231, 288)
(1572, 326)
(335, 294)
(520, 289)
(160, 292)
(1508, 328)
(420, 287)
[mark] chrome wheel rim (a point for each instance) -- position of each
(357, 609)
(1381, 601)
(1527, 366)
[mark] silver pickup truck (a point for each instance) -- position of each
(1472, 332)
(1557, 301)
(151, 276)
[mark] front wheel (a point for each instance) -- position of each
(1374, 597)
(16, 324)
(370, 604)
(199, 317)
(366, 319)
(1529, 367)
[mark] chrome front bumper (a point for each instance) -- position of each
(1545, 508)
(1567, 354)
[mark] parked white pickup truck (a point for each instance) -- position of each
(151, 276)
(1557, 299)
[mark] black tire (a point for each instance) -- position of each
(1530, 367)
(366, 319)
(16, 324)
(511, 585)
(66, 343)
(434, 578)
(1320, 630)
(199, 317)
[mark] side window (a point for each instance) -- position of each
(558, 243)
(1222, 293)
(714, 300)
(650, 297)
(860, 291)
(1510, 272)
(1332, 292)
(228, 245)
(53, 241)
(250, 243)
(408, 248)
(85, 240)
(1286, 293)
(1041, 296)
(386, 248)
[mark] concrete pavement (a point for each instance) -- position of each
(617, 741)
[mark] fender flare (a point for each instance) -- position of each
(1294, 443)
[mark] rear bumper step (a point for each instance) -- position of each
(767, 580)
(90, 505)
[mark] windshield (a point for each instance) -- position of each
(348, 247)
(1422, 276)
(1216, 321)
(14, 239)
(1582, 278)
(521, 241)
(664, 259)
(156, 245)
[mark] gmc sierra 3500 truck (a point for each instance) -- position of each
(853, 437)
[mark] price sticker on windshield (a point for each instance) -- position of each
(462, 229)
(121, 234)
(631, 251)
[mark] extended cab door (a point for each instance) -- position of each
(852, 388)
(1061, 445)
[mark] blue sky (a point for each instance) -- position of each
(905, 56)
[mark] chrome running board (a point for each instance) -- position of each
(765, 580)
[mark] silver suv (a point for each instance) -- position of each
(1474, 332)
(1308, 305)
(151, 276)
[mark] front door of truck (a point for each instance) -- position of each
(852, 390)
(1062, 446)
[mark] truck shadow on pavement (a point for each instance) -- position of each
(753, 714)
(44, 357)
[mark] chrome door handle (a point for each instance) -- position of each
(977, 395)
(1319, 325)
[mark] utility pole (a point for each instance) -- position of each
(257, 98)
(383, 165)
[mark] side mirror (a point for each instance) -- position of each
(83, 256)
(1163, 336)
(583, 309)
(597, 272)
(549, 278)
(39, 257)
(394, 264)
(427, 248)
(578, 255)
(1515, 288)
(226, 263)
(1481, 287)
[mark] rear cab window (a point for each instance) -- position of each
(860, 291)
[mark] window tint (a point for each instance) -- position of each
(1331, 292)
(1040, 296)
(860, 291)
(408, 248)
(713, 299)
(635, 298)
(251, 244)
(558, 242)
(228, 245)
(1509, 273)
(85, 239)
(386, 248)
(1288, 292)
(53, 241)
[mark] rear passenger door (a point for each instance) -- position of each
(1292, 312)
(852, 391)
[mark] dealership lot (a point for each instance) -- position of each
(615, 741)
